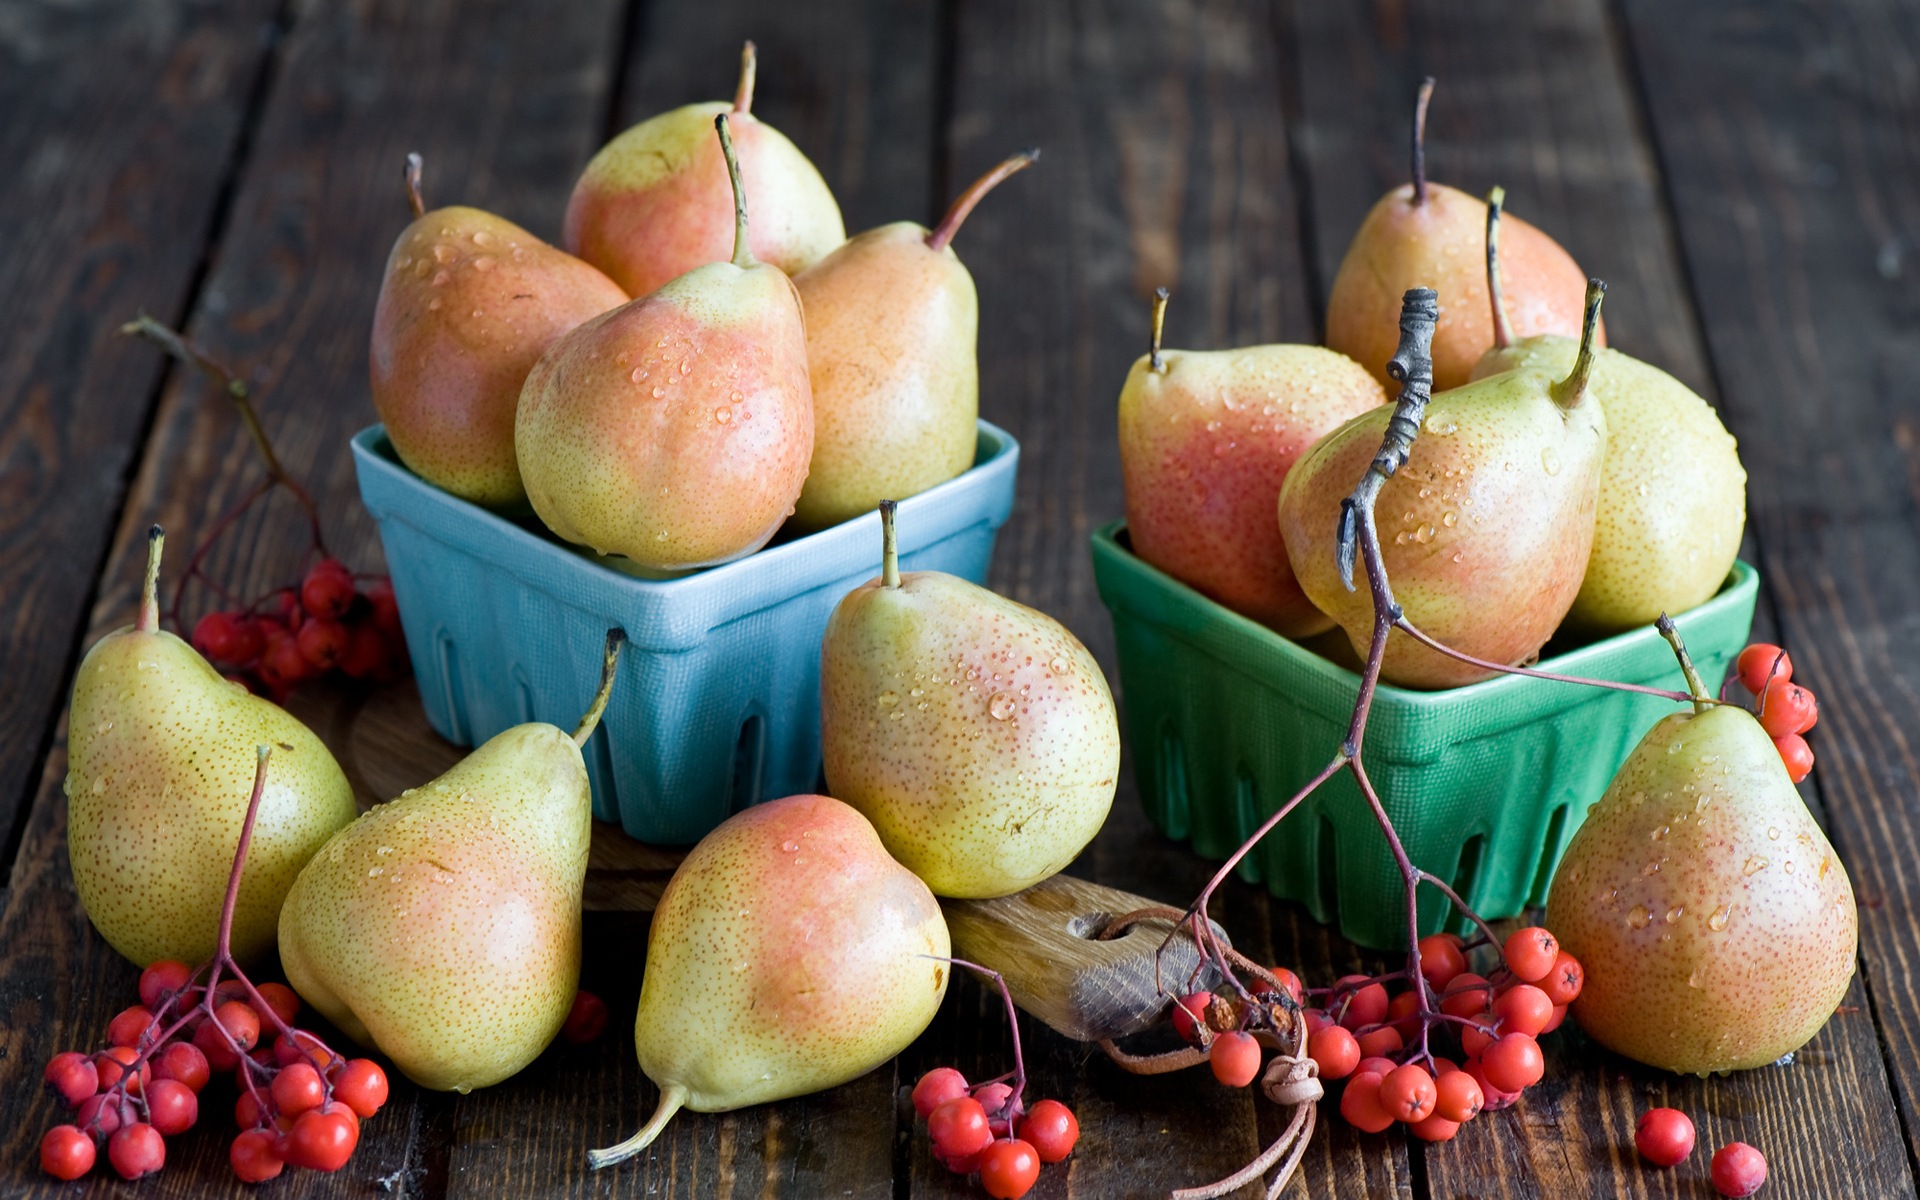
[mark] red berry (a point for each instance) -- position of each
(1564, 982)
(1467, 995)
(1335, 1050)
(283, 1000)
(1493, 1099)
(1402, 1014)
(937, 1087)
(1738, 1169)
(66, 1153)
(367, 652)
(959, 1128)
(327, 591)
(247, 1112)
(298, 1088)
(1382, 1067)
(386, 611)
(1383, 1041)
(1288, 981)
(281, 664)
(1360, 1104)
(1189, 1013)
(182, 1061)
(220, 1056)
(102, 1114)
(129, 1026)
(1316, 1020)
(1235, 1058)
(136, 1150)
(1664, 1136)
(1531, 952)
(240, 1021)
(1523, 1009)
(1786, 707)
(253, 1157)
(1475, 1038)
(586, 1020)
(322, 1138)
(1408, 1093)
(1457, 1097)
(172, 1106)
(228, 637)
(995, 1097)
(1051, 1129)
(323, 642)
(361, 1085)
(1796, 754)
(1008, 1169)
(1367, 1005)
(1434, 1129)
(1559, 1017)
(161, 980)
(1514, 1063)
(72, 1077)
(1441, 959)
(112, 1063)
(1756, 666)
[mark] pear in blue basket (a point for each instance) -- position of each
(443, 927)
(976, 734)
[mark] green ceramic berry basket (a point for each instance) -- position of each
(1486, 784)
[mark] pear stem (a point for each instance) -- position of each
(149, 619)
(964, 202)
(1160, 298)
(411, 173)
(1702, 699)
(1569, 392)
(671, 1100)
(749, 69)
(609, 664)
(889, 547)
(1420, 100)
(1502, 328)
(742, 252)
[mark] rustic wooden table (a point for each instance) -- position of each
(1746, 177)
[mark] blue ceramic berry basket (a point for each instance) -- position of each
(717, 705)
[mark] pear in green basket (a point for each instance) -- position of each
(891, 320)
(1715, 922)
(788, 955)
(1673, 495)
(1485, 530)
(443, 927)
(651, 204)
(976, 734)
(675, 430)
(161, 754)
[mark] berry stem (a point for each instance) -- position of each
(1013, 1105)
(963, 203)
(1407, 627)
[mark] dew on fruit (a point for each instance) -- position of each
(686, 365)
(637, 375)
(433, 305)
(1693, 980)
(1449, 519)
(375, 872)
(791, 846)
(1754, 866)
(1638, 917)
(895, 715)
(444, 254)
(383, 849)
(1773, 833)
(1000, 706)
(1660, 831)
(1058, 666)
(103, 726)
(1675, 913)
(1717, 919)
(1787, 866)
(483, 262)
(658, 393)
(1423, 535)
(723, 414)
(99, 784)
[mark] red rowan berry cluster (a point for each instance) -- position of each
(1787, 710)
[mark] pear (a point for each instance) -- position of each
(675, 430)
(891, 322)
(1486, 529)
(469, 303)
(976, 734)
(161, 755)
(1673, 495)
(1716, 924)
(1206, 438)
(443, 927)
(1426, 234)
(788, 955)
(648, 207)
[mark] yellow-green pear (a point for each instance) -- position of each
(161, 755)
(649, 206)
(891, 323)
(1673, 495)
(443, 927)
(788, 955)
(1485, 529)
(1716, 924)
(675, 430)
(976, 734)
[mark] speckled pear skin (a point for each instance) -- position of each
(676, 429)
(1204, 448)
(1673, 495)
(891, 328)
(655, 203)
(1441, 244)
(977, 734)
(443, 927)
(161, 754)
(1485, 530)
(468, 304)
(787, 955)
(1716, 924)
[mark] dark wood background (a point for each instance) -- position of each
(1746, 176)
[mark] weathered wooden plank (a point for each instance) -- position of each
(506, 101)
(113, 187)
(1790, 152)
